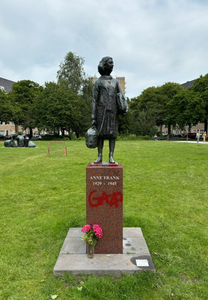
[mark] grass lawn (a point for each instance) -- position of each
(165, 194)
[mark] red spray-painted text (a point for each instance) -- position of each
(110, 200)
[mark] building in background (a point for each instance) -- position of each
(122, 84)
(188, 84)
(6, 85)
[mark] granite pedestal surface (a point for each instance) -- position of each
(104, 205)
(73, 258)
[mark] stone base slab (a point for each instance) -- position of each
(73, 258)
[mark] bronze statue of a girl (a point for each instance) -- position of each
(108, 101)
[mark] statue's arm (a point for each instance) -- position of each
(94, 102)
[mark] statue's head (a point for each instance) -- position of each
(105, 66)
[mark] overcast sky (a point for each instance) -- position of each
(151, 41)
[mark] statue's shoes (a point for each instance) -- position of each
(98, 160)
(111, 160)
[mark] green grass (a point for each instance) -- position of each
(165, 193)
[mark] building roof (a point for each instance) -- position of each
(6, 84)
(188, 84)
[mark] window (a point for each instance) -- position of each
(2, 132)
(12, 124)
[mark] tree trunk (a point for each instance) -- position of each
(77, 134)
(169, 129)
(16, 128)
(31, 133)
(57, 132)
(189, 128)
(205, 125)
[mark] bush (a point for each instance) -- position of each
(49, 138)
(73, 136)
(133, 137)
(65, 138)
(54, 138)
(130, 137)
(153, 131)
(144, 138)
(81, 138)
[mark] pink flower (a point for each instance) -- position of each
(86, 228)
(98, 231)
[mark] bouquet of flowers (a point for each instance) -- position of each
(91, 234)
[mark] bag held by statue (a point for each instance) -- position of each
(122, 103)
(91, 137)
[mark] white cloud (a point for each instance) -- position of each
(152, 42)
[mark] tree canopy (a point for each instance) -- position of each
(54, 108)
(201, 88)
(169, 90)
(151, 107)
(23, 97)
(66, 105)
(71, 70)
(187, 108)
(5, 107)
(60, 108)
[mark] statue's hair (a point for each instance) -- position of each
(101, 66)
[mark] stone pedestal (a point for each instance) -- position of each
(104, 205)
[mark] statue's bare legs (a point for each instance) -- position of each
(112, 142)
(100, 150)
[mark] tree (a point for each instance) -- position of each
(5, 107)
(151, 102)
(72, 71)
(23, 97)
(59, 108)
(168, 91)
(143, 117)
(85, 104)
(187, 108)
(125, 124)
(200, 86)
(54, 107)
(145, 122)
(151, 107)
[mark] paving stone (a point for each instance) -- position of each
(73, 258)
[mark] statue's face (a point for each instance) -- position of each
(109, 64)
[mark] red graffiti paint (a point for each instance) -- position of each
(110, 200)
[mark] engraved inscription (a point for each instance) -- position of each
(104, 180)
